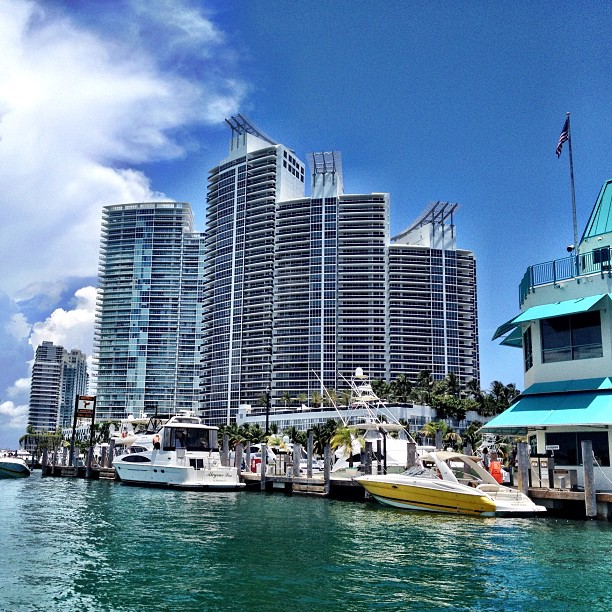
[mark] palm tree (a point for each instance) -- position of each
(331, 397)
(286, 398)
(401, 389)
(322, 435)
(295, 435)
(430, 429)
(423, 389)
(345, 398)
(451, 382)
(317, 399)
(471, 435)
(383, 389)
(302, 398)
(454, 439)
(345, 439)
(473, 390)
(502, 395)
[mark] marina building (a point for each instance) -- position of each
(302, 290)
(564, 330)
(148, 329)
(58, 376)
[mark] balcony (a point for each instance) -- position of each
(572, 267)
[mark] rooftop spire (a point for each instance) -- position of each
(241, 125)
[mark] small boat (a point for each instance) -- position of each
(184, 454)
(452, 483)
(13, 467)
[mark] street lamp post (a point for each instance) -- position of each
(267, 411)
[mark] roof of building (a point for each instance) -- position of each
(600, 221)
(565, 403)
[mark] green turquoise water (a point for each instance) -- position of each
(78, 545)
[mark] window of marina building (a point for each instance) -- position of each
(570, 446)
(571, 337)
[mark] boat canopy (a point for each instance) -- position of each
(576, 403)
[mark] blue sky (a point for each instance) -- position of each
(107, 102)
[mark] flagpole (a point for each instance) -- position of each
(571, 162)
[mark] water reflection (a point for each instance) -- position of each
(102, 546)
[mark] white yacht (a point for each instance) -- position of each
(185, 454)
(13, 467)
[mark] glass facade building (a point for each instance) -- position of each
(58, 376)
(148, 323)
(329, 285)
(433, 309)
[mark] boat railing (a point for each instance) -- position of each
(574, 266)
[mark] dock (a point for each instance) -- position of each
(287, 478)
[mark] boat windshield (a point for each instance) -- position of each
(421, 472)
(190, 438)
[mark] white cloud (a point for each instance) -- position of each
(77, 108)
(18, 327)
(14, 417)
(69, 328)
(20, 389)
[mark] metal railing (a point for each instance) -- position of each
(574, 266)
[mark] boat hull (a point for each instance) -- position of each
(416, 496)
(178, 477)
(13, 469)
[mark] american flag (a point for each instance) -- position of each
(564, 136)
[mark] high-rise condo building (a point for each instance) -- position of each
(330, 273)
(148, 321)
(433, 310)
(243, 193)
(75, 381)
(58, 376)
(300, 291)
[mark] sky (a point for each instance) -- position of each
(125, 100)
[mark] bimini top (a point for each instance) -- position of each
(572, 403)
(600, 221)
(547, 311)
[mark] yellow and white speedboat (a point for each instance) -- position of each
(452, 483)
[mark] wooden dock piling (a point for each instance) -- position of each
(523, 467)
(590, 493)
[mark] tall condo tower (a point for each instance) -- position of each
(243, 192)
(330, 274)
(75, 381)
(58, 376)
(148, 321)
(432, 300)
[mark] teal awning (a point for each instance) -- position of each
(514, 338)
(547, 311)
(565, 386)
(556, 408)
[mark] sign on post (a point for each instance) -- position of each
(85, 408)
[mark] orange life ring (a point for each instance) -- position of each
(124, 434)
